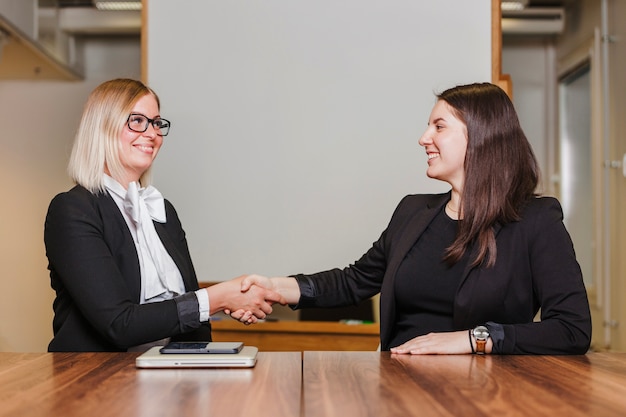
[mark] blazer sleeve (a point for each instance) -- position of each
(94, 269)
(558, 289)
(348, 286)
(364, 278)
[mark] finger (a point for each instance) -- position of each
(247, 282)
(274, 297)
(260, 314)
(401, 349)
(246, 317)
(237, 315)
(265, 308)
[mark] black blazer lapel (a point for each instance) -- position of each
(177, 255)
(404, 237)
(408, 235)
(464, 299)
(118, 233)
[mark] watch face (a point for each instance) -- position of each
(481, 333)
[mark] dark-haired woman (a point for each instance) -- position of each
(466, 271)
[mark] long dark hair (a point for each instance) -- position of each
(501, 171)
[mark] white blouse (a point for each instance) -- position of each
(160, 277)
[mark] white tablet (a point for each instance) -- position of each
(246, 358)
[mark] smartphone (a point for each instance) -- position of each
(202, 347)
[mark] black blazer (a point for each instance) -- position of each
(94, 269)
(535, 268)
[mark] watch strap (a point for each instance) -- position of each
(470, 340)
(481, 335)
(480, 346)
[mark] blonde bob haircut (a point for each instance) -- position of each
(97, 142)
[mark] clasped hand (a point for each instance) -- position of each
(255, 286)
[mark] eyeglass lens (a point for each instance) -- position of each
(139, 123)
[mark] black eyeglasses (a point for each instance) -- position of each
(139, 123)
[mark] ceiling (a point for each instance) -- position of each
(89, 3)
(80, 17)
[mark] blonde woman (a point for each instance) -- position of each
(118, 256)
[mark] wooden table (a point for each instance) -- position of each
(108, 384)
(381, 384)
(289, 336)
(315, 384)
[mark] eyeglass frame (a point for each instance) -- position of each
(150, 122)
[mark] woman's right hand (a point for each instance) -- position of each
(255, 302)
(247, 316)
(254, 279)
(286, 287)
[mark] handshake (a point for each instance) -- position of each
(249, 298)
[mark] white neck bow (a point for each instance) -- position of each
(143, 205)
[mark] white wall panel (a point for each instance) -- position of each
(295, 123)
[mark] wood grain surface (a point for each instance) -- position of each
(316, 383)
(108, 384)
(381, 384)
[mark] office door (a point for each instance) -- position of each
(592, 173)
(580, 182)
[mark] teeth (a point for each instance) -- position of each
(432, 155)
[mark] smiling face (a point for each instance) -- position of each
(138, 150)
(445, 142)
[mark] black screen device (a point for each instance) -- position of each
(202, 347)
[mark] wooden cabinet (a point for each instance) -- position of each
(299, 335)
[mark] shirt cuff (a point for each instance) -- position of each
(203, 305)
(307, 292)
(496, 332)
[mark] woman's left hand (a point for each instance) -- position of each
(449, 343)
